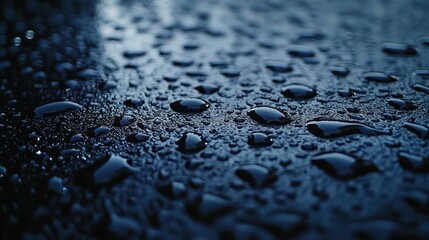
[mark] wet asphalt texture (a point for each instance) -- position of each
(126, 119)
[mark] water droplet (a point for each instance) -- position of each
(219, 63)
(398, 48)
(55, 108)
(413, 162)
(105, 172)
(181, 61)
(419, 130)
(29, 34)
(122, 121)
(76, 138)
(171, 77)
(259, 140)
(340, 71)
(229, 72)
(346, 93)
(207, 88)
(130, 54)
(278, 66)
(207, 207)
(380, 77)
(191, 105)
(326, 128)
(343, 166)
(301, 51)
(173, 190)
(269, 115)
(421, 88)
(256, 175)
(17, 41)
(191, 142)
(298, 91)
(401, 104)
(133, 102)
(137, 137)
(97, 131)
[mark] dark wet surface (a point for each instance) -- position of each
(126, 119)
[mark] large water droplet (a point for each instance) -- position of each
(341, 165)
(298, 91)
(137, 137)
(419, 130)
(379, 77)
(398, 48)
(337, 128)
(191, 105)
(56, 107)
(269, 115)
(191, 142)
(105, 172)
(340, 71)
(256, 175)
(98, 131)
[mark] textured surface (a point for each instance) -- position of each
(112, 165)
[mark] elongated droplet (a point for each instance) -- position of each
(338, 128)
(55, 108)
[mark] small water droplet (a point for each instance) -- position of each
(340, 71)
(269, 115)
(76, 138)
(380, 77)
(191, 142)
(208, 207)
(278, 66)
(133, 102)
(343, 166)
(256, 175)
(137, 137)
(401, 104)
(259, 140)
(421, 88)
(395, 48)
(301, 51)
(191, 105)
(413, 162)
(106, 171)
(298, 91)
(421, 131)
(207, 88)
(122, 121)
(98, 131)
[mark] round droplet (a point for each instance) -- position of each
(98, 131)
(259, 140)
(207, 88)
(401, 104)
(133, 102)
(191, 142)
(299, 91)
(76, 138)
(269, 115)
(278, 66)
(229, 72)
(341, 165)
(340, 71)
(181, 61)
(55, 108)
(191, 105)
